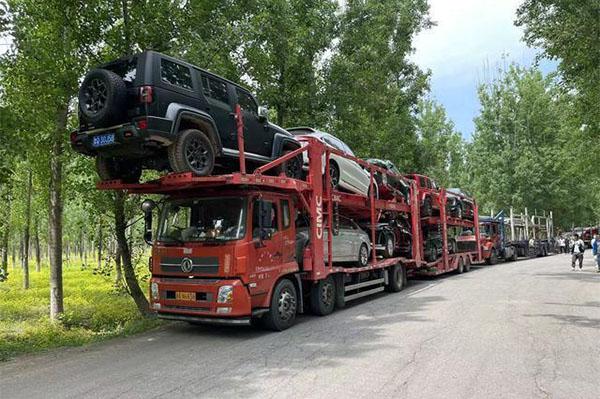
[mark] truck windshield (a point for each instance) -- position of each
(205, 219)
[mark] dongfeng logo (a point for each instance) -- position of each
(187, 265)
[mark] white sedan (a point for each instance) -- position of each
(344, 172)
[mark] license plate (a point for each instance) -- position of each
(103, 139)
(185, 296)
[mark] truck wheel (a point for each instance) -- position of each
(467, 265)
(515, 255)
(292, 167)
(426, 208)
(192, 152)
(363, 255)
(388, 251)
(113, 169)
(493, 259)
(284, 305)
(397, 278)
(340, 300)
(461, 266)
(322, 296)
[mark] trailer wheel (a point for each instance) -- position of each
(461, 266)
(397, 278)
(322, 296)
(284, 306)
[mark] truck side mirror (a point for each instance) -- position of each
(147, 207)
(263, 114)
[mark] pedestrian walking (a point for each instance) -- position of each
(577, 252)
(596, 252)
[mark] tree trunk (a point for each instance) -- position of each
(99, 246)
(26, 233)
(123, 247)
(118, 269)
(55, 214)
(38, 254)
(5, 235)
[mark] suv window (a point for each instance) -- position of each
(246, 101)
(175, 74)
(126, 69)
(215, 89)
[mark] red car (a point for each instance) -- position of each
(428, 193)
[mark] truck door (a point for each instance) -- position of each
(268, 240)
(288, 244)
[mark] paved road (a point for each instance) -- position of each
(518, 330)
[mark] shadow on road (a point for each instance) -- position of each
(575, 321)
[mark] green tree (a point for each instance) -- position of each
(440, 148)
(373, 88)
(569, 31)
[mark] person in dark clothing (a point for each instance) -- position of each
(577, 252)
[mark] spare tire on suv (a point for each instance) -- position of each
(102, 98)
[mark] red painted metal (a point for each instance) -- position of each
(239, 119)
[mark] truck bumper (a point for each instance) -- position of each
(196, 300)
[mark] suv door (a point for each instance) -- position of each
(258, 138)
(219, 106)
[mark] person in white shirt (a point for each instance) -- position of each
(577, 252)
(562, 244)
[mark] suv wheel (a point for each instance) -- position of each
(114, 169)
(102, 98)
(192, 152)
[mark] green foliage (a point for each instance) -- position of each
(95, 311)
(569, 31)
(373, 88)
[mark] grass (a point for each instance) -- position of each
(94, 311)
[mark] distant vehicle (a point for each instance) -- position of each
(392, 238)
(390, 185)
(428, 192)
(152, 111)
(344, 172)
(350, 243)
(460, 204)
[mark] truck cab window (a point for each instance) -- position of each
(268, 206)
(285, 214)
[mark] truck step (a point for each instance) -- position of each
(364, 284)
(364, 293)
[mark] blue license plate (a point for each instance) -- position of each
(103, 139)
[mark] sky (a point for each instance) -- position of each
(472, 39)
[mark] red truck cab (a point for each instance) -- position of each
(428, 193)
(219, 254)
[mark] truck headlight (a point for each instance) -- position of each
(225, 294)
(154, 291)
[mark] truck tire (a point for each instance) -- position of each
(322, 296)
(467, 265)
(292, 167)
(192, 152)
(460, 269)
(363, 255)
(283, 307)
(396, 278)
(340, 299)
(102, 98)
(493, 259)
(114, 169)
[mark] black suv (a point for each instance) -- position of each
(152, 111)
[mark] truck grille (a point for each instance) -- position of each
(203, 265)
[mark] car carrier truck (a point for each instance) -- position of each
(225, 249)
